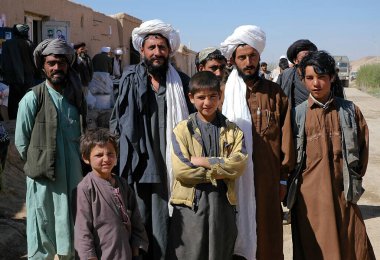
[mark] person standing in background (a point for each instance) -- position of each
(290, 80)
(117, 68)
(264, 72)
(17, 66)
(83, 65)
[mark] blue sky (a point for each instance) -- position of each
(348, 27)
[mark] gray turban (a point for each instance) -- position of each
(53, 46)
(156, 27)
(73, 90)
(246, 34)
(203, 54)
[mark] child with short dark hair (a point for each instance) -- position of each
(208, 155)
(108, 223)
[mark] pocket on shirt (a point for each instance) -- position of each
(269, 127)
(314, 152)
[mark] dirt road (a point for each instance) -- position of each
(370, 201)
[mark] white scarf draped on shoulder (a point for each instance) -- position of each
(235, 108)
(176, 112)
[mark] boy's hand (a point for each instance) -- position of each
(200, 161)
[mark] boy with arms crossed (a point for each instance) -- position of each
(208, 156)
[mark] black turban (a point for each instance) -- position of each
(78, 45)
(21, 29)
(298, 46)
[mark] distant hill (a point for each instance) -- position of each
(355, 65)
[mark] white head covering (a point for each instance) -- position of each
(245, 34)
(152, 27)
(118, 52)
(105, 49)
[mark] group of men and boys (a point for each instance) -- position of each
(209, 179)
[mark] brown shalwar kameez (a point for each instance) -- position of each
(273, 158)
(324, 226)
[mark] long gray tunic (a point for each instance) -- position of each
(99, 229)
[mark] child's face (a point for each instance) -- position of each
(102, 160)
(206, 102)
(318, 85)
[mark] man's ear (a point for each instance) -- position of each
(232, 61)
(333, 78)
(142, 51)
(201, 67)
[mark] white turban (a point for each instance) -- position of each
(245, 34)
(105, 49)
(153, 27)
(118, 52)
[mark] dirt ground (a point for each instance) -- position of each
(12, 209)
(370, 201)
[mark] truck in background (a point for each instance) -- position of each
(342, 64)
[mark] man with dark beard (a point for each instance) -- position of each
(260, 108)
(48, 127)
(152, 100)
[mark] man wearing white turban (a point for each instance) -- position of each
(261, 110)
(152, 100)
(48, 127)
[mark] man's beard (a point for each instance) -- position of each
(60, 81)
(246, 77)
(157, 70)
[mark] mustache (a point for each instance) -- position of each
(249, 68)
(58, 72)
(158, 58)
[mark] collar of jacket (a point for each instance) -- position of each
(194, 129)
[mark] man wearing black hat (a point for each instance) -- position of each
(289, 80)
(83, 65)
(17, 66)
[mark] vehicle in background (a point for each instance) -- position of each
(342, 64)
(353, 75)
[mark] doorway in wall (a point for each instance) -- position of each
(35, 24)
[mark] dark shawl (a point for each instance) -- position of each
(129, 119)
